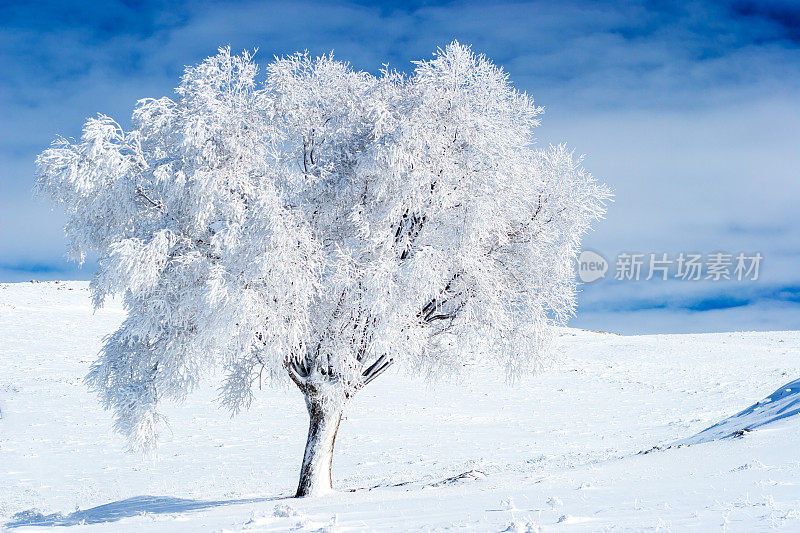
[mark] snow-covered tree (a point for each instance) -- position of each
(319, 227)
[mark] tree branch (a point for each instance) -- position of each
(376, 371)
(426, 314)
(294, 374)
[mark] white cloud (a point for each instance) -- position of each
(688, 112)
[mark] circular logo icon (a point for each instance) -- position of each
(591, 266)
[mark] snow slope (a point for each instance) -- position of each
(560, 450)
(782, 403)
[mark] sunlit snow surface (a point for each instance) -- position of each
(558, 451)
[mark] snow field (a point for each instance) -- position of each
(558, 451)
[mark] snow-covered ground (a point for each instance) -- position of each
(560, 450)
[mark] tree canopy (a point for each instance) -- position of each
(319, 225)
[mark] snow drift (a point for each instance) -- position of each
(782, 403)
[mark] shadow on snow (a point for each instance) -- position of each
(143, 505)
(781, 404)
(111, 512)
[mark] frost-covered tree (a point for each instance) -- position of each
(319, 227)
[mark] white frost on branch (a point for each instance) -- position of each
(320, 225)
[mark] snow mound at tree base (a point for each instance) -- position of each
(782, 403)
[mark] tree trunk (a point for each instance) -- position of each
(315, 474)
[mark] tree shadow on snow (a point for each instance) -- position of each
(111, 512)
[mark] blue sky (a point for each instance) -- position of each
(690, 112)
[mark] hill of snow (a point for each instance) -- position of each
(782, 403)
(560, 451)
